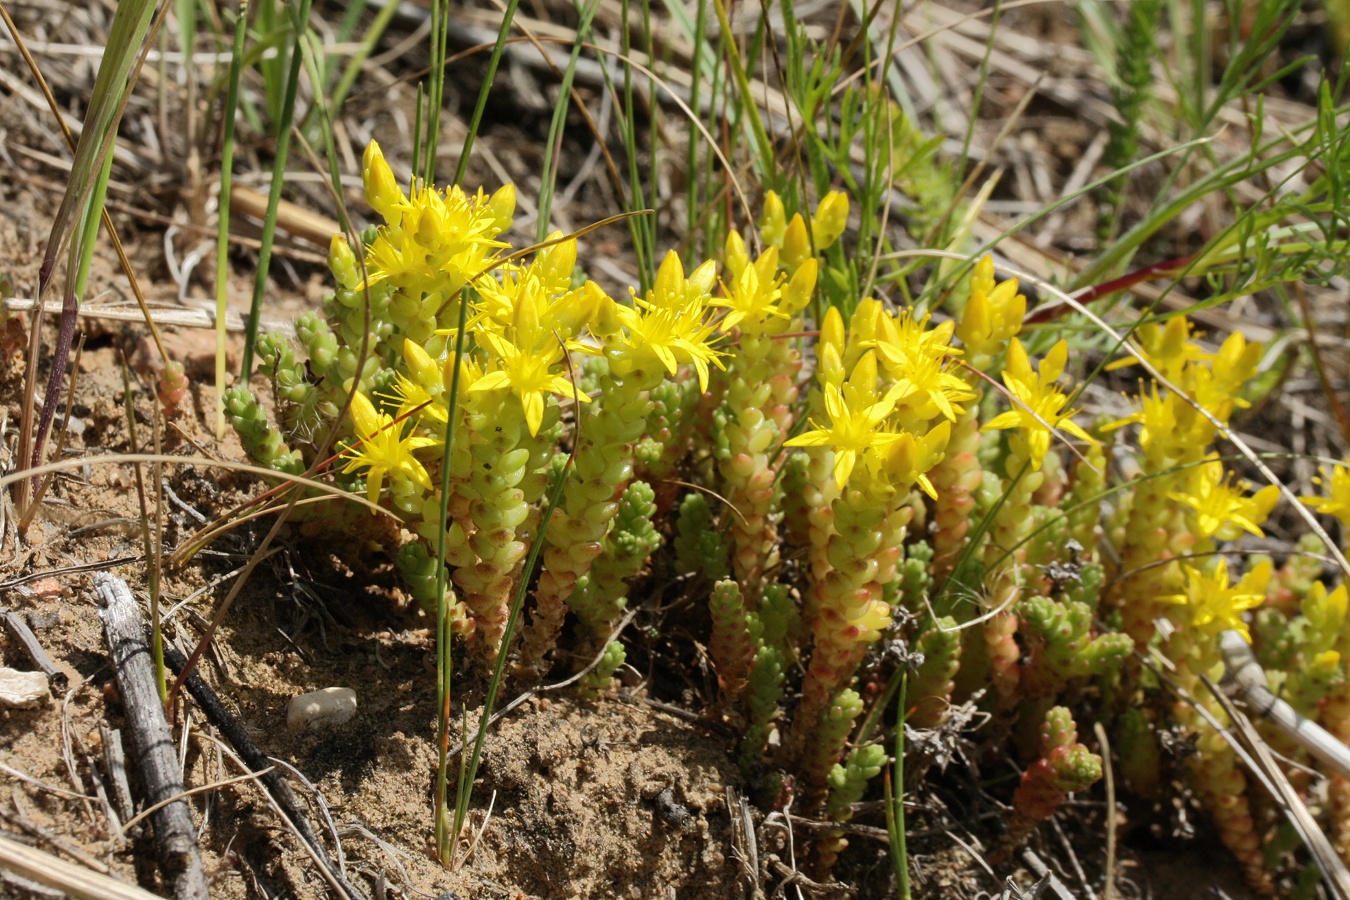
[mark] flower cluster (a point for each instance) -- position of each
(930, 488)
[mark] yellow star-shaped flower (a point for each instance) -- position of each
(1219, 508)
(1039, 404)
(1337, 501)
(856, 414)
(383, 449)
(1214, 605)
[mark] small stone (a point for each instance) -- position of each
(321, 709)
(23, 690)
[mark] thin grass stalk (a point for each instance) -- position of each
(80, 257)
(508, 16)
(351, 17)
(155, 563)
(368, 44)
(419, 113)
(440, 25)
(885, 188)
(186, 11)
(1199, 58)
(128, 42)
(718, 98)
(649, 223)
(444, 661)
(895, 798)
(694, 186)
(272, 30)
(311, 61)
(637, 198)
(147, 543)
(269, 229)
(977, 92)
(747, 98)
(469, 773)
(793, 74)
(223, 217)
(63, 431)
(548, 184)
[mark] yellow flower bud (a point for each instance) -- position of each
(607, 320)
(797, 293)
(982, 279)
(830, 219)
(575, 310)
(773, 223)
(525, 319)
(829, 365)
(423, 369)
(382, 190)
(431, 227)
(973, 327)
(994, 313)
(796, 244)
(832, 331)
(864, 374)
(736, 256)
(863, 327)
(670, 281)
(702, 279)
(503, 207)
(557, 262)
(342, 263)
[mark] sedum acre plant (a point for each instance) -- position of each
(828, 490)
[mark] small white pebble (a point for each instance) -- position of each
(321, 709)
(23, 690)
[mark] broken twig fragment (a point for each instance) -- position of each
(19, 630)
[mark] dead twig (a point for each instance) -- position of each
(1335, 875)
(1046, 877)
(19, 819)
(19, 630)
(1250, 678)
(115, 762)
(44, 868)
(179, 857)
(1108, 892)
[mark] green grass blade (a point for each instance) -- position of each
(130, 27)
(368, 43)
(440, 25)
(550, 167)
(493, 61)
(469, 773)
(747, 98)
(223, 225)
(444, 661)
(637, 199)
(273, 198)
(895, 799)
